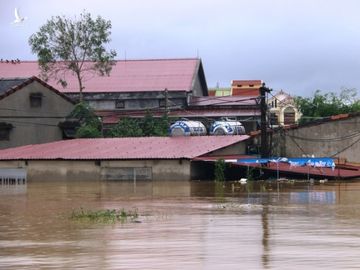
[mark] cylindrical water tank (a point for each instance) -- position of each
(187, 128)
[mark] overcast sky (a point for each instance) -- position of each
(295, 45)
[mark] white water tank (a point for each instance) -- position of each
(187, 128)
(227, 127)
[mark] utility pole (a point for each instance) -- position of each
(264, 148)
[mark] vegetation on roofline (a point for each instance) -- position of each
(91, 125)
(328, 104)
(143, 127)
(64, 45)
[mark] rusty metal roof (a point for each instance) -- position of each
(122, 148)
(126, 75)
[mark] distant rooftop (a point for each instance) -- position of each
(126, 75)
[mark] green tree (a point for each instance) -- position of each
(90, 124)
(126, 127)
(162, 126)
(219, 170)
(148, 124)
(322, 105)
(77, 46)
(152, 126)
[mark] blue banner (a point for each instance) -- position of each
(323, 162)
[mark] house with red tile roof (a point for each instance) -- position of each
(140, 158)
(155, 85)
(30, 112)
(132, 84)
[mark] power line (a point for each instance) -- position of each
(325, 139)
(347, 147)
(33, 123)
(31, 117)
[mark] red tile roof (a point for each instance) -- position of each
(122, 148)
(126, 76)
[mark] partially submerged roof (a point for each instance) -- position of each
(126, 75)
(11, 85)
(122, 148)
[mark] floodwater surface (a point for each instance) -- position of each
(181, 225)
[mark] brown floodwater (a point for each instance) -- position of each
(182, 225)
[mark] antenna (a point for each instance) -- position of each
(197, 53)
(125, 55)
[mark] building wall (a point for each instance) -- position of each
(198, 90)
(132, 100)
(30, 126)
(235, 149)
(53, 170)
(340, 138)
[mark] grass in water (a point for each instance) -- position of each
(104, 216)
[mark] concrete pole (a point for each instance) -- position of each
(264, 148)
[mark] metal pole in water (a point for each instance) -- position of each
(134, 180)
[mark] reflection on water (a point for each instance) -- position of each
(184, 225)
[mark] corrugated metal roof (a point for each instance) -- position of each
(126, 76)
(122, 148)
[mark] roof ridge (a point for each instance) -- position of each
(126, 60)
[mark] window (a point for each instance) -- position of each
(119, 104)
(274, 119)
(35, 100)
(289, 116)
(5, 131)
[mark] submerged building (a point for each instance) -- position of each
(30, 112)
(141, 158)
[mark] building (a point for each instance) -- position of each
(283, 110)
(245, 88)
(131, 85)
(158, 86)
(30, 112)
(142, 158)
(337, 136)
